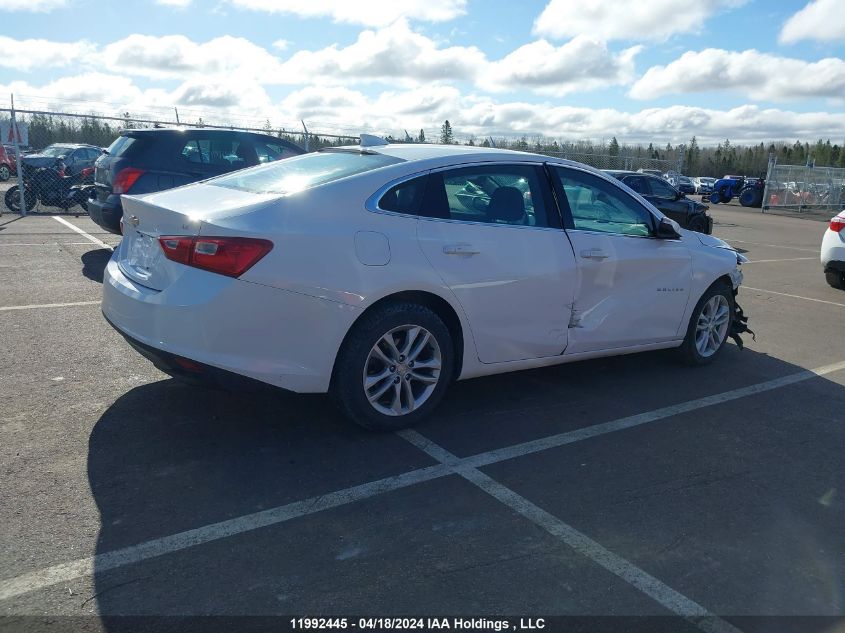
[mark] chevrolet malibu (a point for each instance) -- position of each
(381, 273)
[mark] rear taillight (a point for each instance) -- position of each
(230, 256)
(838, 223)
(125, 179)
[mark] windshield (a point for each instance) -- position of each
(56, 150)
(302, 172)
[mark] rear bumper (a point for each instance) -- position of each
(833, 251)
(106, 213)
(229, 326)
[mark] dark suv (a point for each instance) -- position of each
(671, 202)
(144, 161)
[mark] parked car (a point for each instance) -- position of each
(144, 161)
(833, 252)
(73, 156)
(671, 202)
(358, 271)
(703, 184)
(8, 165)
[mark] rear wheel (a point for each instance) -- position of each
(5, 173)
(715, 198)
(836, 279)
(394, 367)
(709, 326)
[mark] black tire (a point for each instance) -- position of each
(5, 173)
(688, 351)
(352, 362)
(698, 223)
(747, 197)
(724, 196)
(13, 199)
(835, 278)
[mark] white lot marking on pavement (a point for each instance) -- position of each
(64, 572)
(784, 294)
(37, 306)
(627, 571)
(47, 244)
(82, 233)
(208, 533)
(791, 248)
(791, 259)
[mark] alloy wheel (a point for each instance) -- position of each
(712, 327)
(402, 370)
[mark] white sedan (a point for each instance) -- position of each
(382, 273)
(833, 252)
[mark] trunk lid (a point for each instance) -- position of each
(180, 211)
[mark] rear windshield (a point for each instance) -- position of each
(301, 172)
(56, 150)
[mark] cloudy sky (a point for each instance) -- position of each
(651, 70)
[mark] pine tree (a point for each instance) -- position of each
(446, 135)
(421, 137)
(613, 147)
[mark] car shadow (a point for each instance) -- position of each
(167, 457)
(94, 263)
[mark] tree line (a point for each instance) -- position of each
(694, 160)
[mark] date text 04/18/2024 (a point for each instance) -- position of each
(410, 624)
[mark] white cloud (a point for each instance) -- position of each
(24, 55)
(34, 6)
(581, 64)
(281, 44)
(760, 76)
(392, 53)
(820, 20)
(367, 12)
(228, 100)
(641, 20)
(176, 55)
(393, 112)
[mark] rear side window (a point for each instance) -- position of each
(405, 197)
(226, 153)
(302, 172)
(500, 194)
(269, 152)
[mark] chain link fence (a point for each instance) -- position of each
(62, 141)
(804, 188)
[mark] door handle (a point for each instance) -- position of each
(593, 253)
(460, 249)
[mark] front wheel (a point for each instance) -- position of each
(5, 173)
(836, 279)
(394, 367)
(709, 326)
(698, 224)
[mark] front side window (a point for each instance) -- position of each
(304, 171)
(638, 184)
(599, 205)
(501, 194)
(661, 189)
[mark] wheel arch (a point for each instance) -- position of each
(434, 302)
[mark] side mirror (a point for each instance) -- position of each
(667, 230)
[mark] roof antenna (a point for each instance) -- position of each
(371, 140)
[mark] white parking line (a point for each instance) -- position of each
(83, 233)
(64, 572)
(45, 244)
(784, 294)
(37, 306)
(627, 571)
(791, 248)
(790, 259)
